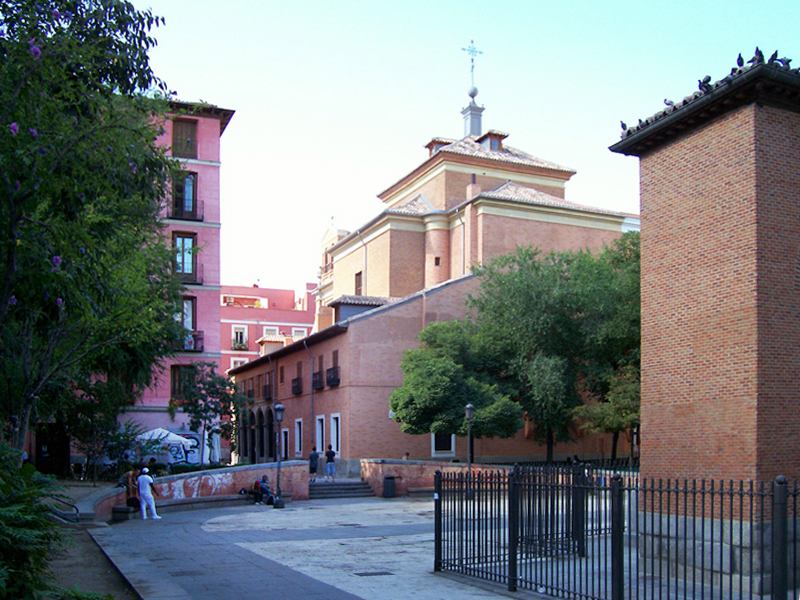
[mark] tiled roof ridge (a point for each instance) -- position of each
(706, 87)
(470, 146)
(362, 300)
(513, 190)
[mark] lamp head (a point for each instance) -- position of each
(279, 409)
(469, 411)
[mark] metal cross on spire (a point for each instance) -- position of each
(473, 52)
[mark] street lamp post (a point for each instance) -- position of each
(279, 411)
(469, 411)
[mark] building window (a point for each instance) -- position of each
(359, 279)
(185, 256)
(184, 197)
(239, 337)
(437, 261)
(280, 374)
(181, 377)
(285, 444)
(298, 437)
(188, 320)
(184, 139)
(237, 362)
(269, 330)
(320, 437)
(335, 433)
(443, 445)
(299, 331)
(495, 144)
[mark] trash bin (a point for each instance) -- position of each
(388, 486)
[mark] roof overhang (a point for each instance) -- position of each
(763, 84)
(206, 110)
(311, 340)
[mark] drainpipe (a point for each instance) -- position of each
(463, 243)
(364, 271)
(313, 423)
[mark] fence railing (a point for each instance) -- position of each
(572, 532)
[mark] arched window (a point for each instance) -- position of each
(252, 438)
(260, 427)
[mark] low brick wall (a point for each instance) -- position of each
(411, 474)
(214, 482)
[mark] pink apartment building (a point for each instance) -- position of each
(192, 223)
(470, 200)
(255, 320)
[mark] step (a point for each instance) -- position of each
(352, 489)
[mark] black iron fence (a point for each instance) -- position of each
(575, 532)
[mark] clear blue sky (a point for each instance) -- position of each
(335, 100)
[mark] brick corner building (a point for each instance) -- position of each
(720, 202)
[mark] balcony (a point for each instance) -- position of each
(195, 277)
(192, 342)
(238, 345)
(180, 213)
(297, 386)
(332, 376)
(267, 392)
(317, 380)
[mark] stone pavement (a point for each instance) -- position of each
(342, 549)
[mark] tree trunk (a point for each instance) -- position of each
(614, 441)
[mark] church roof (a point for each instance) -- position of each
(520, 193)
(470, 146)
(418, 205)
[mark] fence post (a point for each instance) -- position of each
(579, 483)
(437, 521)
(780, 563)
(513, 527)
(617, 539)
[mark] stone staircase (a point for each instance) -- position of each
(341, 489)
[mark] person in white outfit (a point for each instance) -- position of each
(146, 491)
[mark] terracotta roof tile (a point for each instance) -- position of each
(362, 300)
(515, 191)
(416, 206)
(469, 146)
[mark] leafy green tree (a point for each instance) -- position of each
(530, 300)
(549, 331)
(210, 400)
(85, 277)
(455, 365)
(618, 412)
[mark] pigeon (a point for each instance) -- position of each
(623, 125)
(703, 84)
(773, 58)
(669, 102)
(740, 61)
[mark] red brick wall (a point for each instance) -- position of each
(720, 233)
(777, 142)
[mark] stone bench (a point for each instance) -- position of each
(125, 513)
(418, 492)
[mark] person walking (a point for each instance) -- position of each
(330, 465)
(146, 491)
(313, 464)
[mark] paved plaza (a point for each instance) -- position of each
(342, 549)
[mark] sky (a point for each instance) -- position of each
(335, 101)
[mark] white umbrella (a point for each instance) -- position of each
(165, 437)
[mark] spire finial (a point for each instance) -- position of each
(473, 52)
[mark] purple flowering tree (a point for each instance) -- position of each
(87, 291)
